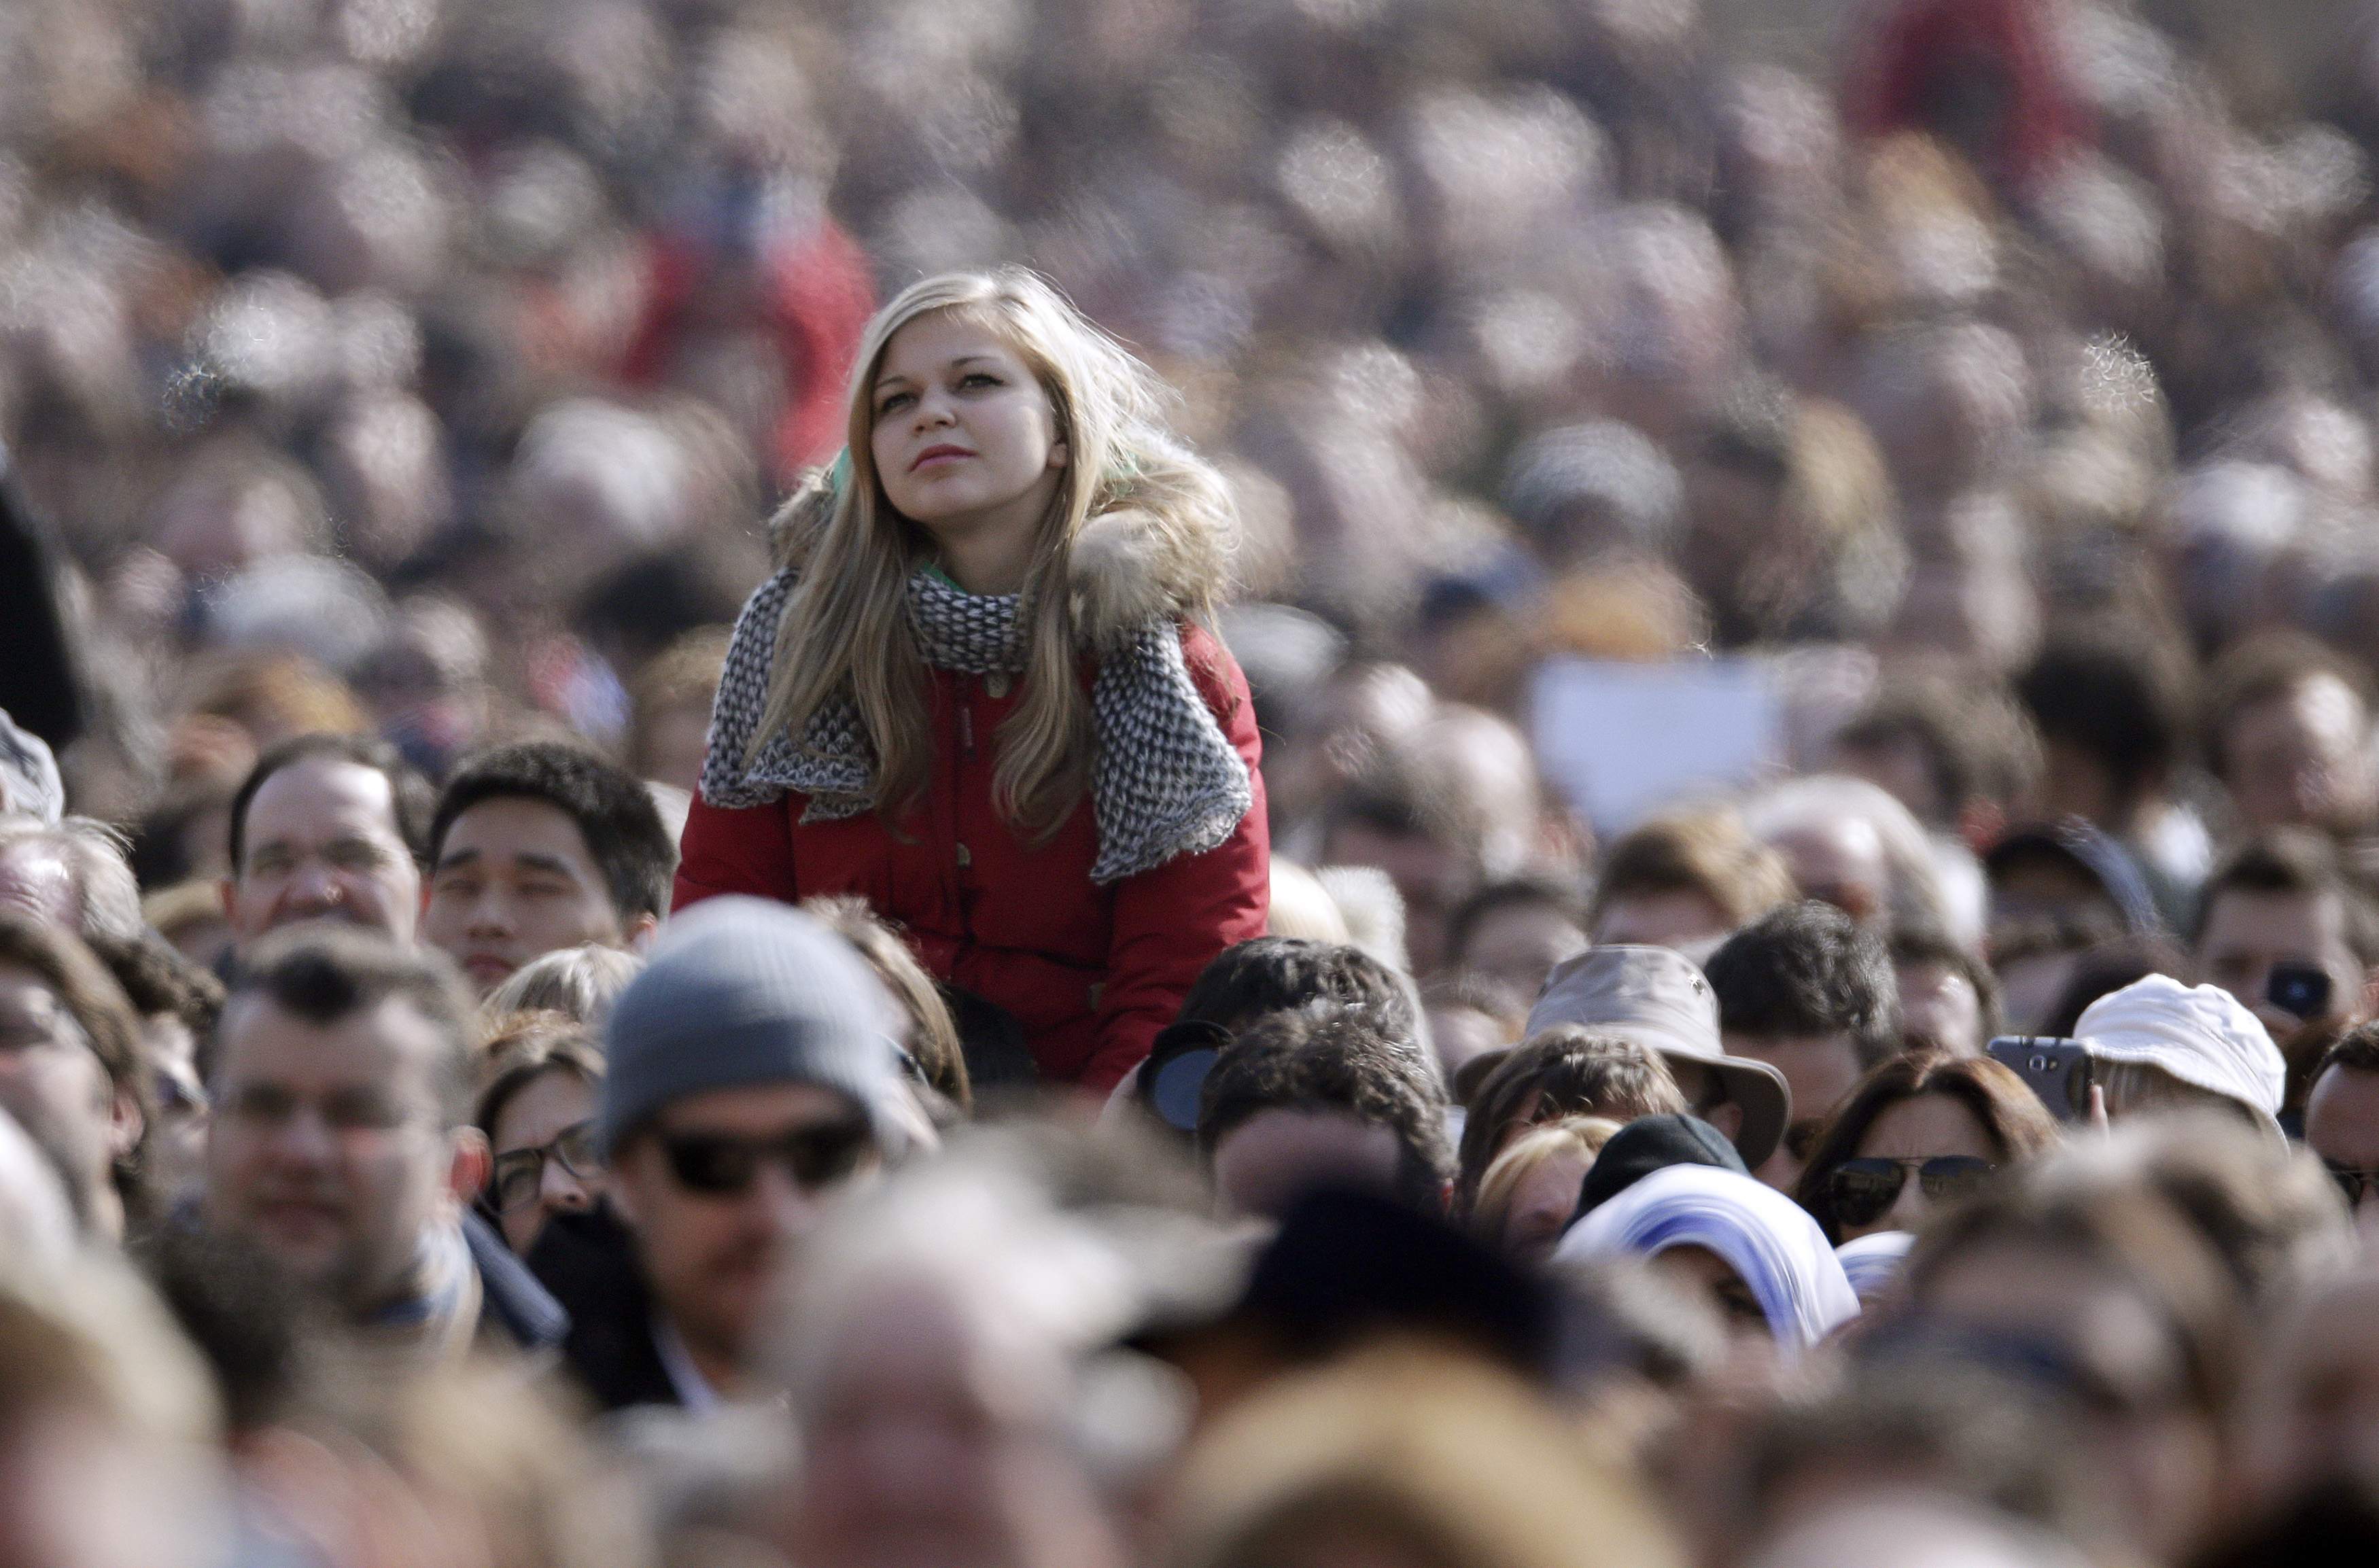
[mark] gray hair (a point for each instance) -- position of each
(107, 897)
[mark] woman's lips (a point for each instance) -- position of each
(938, 454)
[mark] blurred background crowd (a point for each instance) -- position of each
(1995, 379)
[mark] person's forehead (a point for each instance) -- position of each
(757, 1109)
(2266, 918)
(934, 342)
(2343, 1110)
(321, 797)
(505, 826)
(390, 1044)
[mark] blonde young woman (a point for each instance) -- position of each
(980, 692)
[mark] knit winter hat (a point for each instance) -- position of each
(743, 992)
(2200, 1035)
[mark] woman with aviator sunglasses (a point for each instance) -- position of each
(1919, 1132)
(544, 1075)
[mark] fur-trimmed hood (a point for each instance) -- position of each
(1127, 566)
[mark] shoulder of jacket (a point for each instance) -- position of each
(1129, 566)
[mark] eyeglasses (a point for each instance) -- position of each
(520, 1173)
(721, 1166)
(1863, 1191)
(2353, 1182)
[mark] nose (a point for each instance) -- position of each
(791, 1209)
(304, 1139)
(1907, 1211)
(560, 1191)
(490, 915)
(313, 888)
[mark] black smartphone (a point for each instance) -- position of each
(2058, 1072)
(2301, 991)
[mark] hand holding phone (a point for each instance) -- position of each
(2061, 1072)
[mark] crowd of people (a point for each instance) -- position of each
(693, 874)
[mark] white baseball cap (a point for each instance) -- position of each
(2200, 1035)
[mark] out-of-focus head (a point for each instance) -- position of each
(2289, 732)
(1513, 931)
(2110, 1299)
(72, 1074)
(1851, 845)
(931, 1038)
(1249, 981)
(72, 873)
(2113, 708)
(328, 827)
(102, 1402)
(1914, 1530)
(178, 1005)
(2341, 1121)
(1306, 1100)
(1949, 997)
(948, 1343)
(2311, 1410)
(1945, 752)
(343, 1069)
(1398, 1456)
(2283, 898)
(1684, 881)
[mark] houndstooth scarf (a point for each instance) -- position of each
(1164, 781)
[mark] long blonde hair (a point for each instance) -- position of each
(844, 627)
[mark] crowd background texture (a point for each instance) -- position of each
(1992, 384)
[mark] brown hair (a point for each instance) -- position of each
(682, 675)
(523, 1048)
(2011, 1117)
(326, 974)
(933, 1032)
(2293, 862)
(1561, 1071)
(579, 982)
(100, 1009)
(1709, 851)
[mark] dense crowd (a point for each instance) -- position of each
(509, 1059)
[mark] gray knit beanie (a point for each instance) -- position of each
(745, 992)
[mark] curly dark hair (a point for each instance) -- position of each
(1809, 969)
(1334, 1059)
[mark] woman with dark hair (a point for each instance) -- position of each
(1919, 1131)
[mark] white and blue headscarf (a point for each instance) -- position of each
(1873, 1263)
(1762, 1234)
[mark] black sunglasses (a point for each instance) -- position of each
(2353, 1182)
(1863, 1191)
(520, 1173)
(719, 1164)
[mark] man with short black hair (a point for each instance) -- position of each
(341, 1143)
(1811, 993)
(2342, 1119)
(1304, 1099)
(2288, 733)
(540, 846)
(752, 1076)
(2283, 898)
(1247, 980)
(327, 827)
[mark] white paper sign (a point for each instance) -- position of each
(1623, 740)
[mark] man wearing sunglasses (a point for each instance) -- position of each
(752, 1075)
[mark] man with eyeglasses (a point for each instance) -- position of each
(2342, 1119)
(752, 1073)
(342, 1145)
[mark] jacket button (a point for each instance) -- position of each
(965, 859)
(995, 682)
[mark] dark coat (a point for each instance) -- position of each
(589, 1263)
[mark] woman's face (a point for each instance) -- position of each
(1930, 1127)
(1702, 1273)
(964, 439)
(548, 1105)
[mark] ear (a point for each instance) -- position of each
(1060, 454)
(124, 1123)
(639, 937)
(469, 1164)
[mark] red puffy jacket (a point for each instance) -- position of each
(1092, 972)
